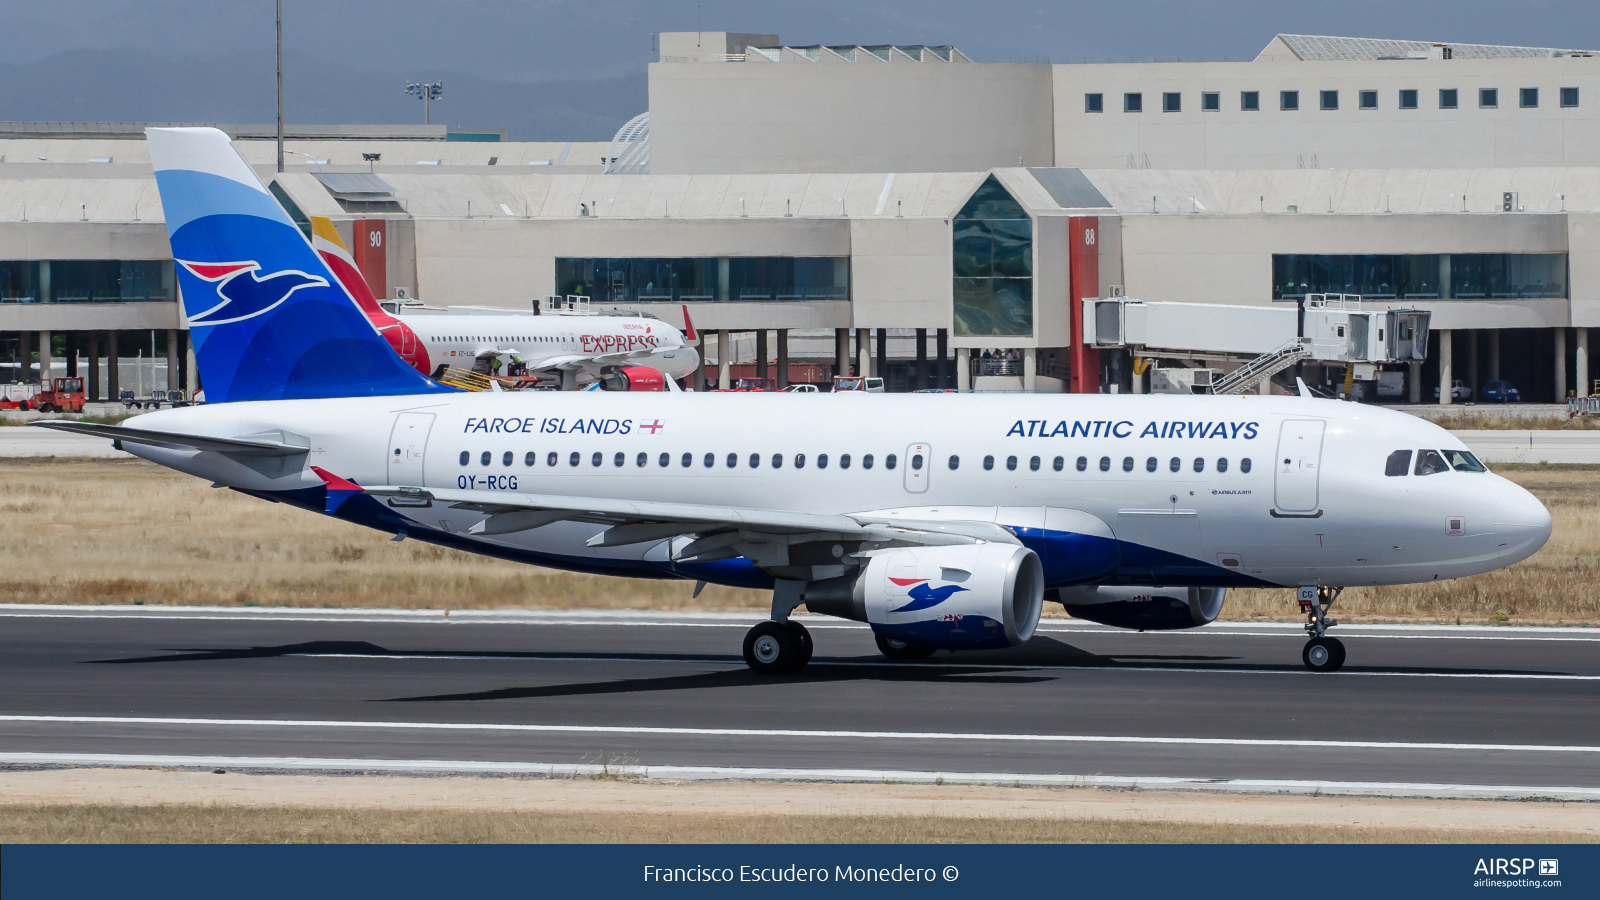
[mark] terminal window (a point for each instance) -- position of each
(1288, 99)
(1132, 102)
(1369, 99)
(1211, 101)
(1330, 99)
(1250, 101)
(1569, 96)
(1488, 98)
(992, 265)
(1447, 98)
(86, 281)
(1408, 99)
(1530, 98)
(1172, 101)
(697, 279)
(1421, 276)
(1094, 102)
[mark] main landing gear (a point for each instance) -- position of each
(779, 645)
(1321, 653)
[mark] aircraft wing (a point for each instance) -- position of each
(719, 531)
(610, 359)
(267, 445)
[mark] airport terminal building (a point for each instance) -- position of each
(907, 211)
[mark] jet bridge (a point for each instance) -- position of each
(1265, 340)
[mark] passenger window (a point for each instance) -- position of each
(552, 459)
(1199, 464)
(1127, 464)
(777, 460)
(799, 460)
(916, 462)
(1060, 464)
(1033, 464)
(866, 461)
(1244, 466)
(1011, 463)
(530, 458)
(573, 459)
(755, 460)
(1175, 464)
(485, 458)
(822, 460)
(844, 460)
(665, 460)
(1462, 461)
(598, 458)
(710, 460)
(988, 463)
(1398, 464)
(1222, 464)
(1429, 462)
(641, 460)
(466, 457)
(1105, 463)
(733, 460)
(506, 459)
(687, 461)
(1150, 464)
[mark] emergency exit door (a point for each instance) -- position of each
(407, 444)
(1297, 466)
(918, 463)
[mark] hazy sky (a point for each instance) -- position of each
(149, 48)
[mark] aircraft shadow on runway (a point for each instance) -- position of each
(976, 667)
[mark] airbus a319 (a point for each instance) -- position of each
(942, 521)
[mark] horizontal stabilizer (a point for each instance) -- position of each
(233, 446)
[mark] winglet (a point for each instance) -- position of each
(1305, 392)
(688, 326)
(339, 490)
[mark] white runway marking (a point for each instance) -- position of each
(801, 733)
(733, 773)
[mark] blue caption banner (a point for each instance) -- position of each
(1190, 871)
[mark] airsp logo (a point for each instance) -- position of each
(1515, 867)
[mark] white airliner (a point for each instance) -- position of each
(618, 351)
(944, 521)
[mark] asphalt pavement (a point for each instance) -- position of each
(1439, 711)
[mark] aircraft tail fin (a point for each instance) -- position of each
(688, 326)
(269, 320)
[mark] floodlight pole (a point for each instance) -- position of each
(280, 85)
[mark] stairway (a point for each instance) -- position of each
(1264, 366)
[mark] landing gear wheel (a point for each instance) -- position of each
(803, 638)
(1323, 654)
(894, 648)
(771, 647)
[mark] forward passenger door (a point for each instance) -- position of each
(918, 463)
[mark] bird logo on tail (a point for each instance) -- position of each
(245, 298)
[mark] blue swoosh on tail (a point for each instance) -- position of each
(923, 597)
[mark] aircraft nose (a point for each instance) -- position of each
(1521, 513)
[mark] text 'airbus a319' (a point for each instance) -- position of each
(944, 521)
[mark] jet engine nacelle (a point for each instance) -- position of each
(633, 378)
(964, 597)
(1144, 608)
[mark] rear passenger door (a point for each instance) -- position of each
(919, 458)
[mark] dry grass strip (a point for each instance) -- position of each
(127, 531)
(145, 805)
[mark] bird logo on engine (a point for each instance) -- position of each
(923, 594)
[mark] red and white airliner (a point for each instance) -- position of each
(619, 351)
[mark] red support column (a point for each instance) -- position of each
(371, 254)
(1084, 264)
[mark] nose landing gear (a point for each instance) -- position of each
(1321, 653)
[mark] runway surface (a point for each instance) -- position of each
(1418, 710)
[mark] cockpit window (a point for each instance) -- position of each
(1399, 463)
(1462, 461)
(1429, 462)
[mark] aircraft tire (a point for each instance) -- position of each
(1323, 654)
(771, 648)
(898, 649)
(803, 636)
